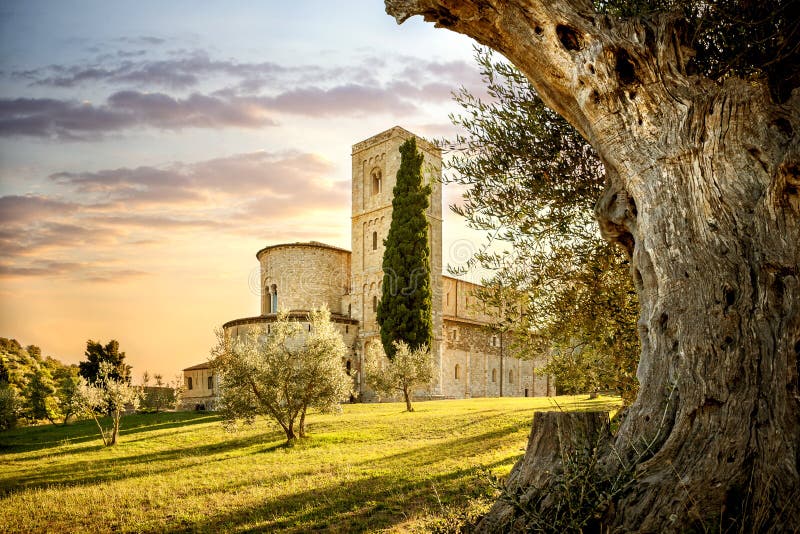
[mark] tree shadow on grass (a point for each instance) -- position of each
(91, 470)
(367, 504)
(35, 438)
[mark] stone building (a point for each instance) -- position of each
(298, 277)
(201, 388)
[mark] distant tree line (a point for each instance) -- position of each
(34, 388)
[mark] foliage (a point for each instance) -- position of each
(409, 369)
(40, 397)
(283, 373)
(404, 312)
(161, 395)
(39, 385)
(731, 37)
(97, 353)
(531, 184)
(67, 380)
(108, 393)
(9, 406)
(372, 468)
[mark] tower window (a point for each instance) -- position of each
(458, 372)
(494, 375)
(374, 303)
(274, 299)
(376, 182)
(348, 366)
(374, 240)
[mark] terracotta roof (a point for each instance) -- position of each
(205, 365)
(293, 314)
(310, 244)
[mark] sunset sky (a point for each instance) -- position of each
(149, 149)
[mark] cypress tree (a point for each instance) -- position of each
(404, 312)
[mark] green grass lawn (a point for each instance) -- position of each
(371, 468)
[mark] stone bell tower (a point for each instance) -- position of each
(375, 164)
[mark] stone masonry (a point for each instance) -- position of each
(471, 361)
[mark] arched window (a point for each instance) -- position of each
(494, 375)
(511, 377)
(374, 303)
(374, 240)
(376, 182)
(458, 372)
(274, 299)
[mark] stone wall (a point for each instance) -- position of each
(475, 365)
(305, 276)
(347, 327)
(200, 394)
(375, 162)
(460, 300)
(308, 275)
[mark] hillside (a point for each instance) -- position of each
(373, 467)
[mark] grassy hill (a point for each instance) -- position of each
(373, 467)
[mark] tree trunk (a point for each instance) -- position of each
(702, 192)
(407, 397)
(115, 430)
(289, 429)
(302, 424)
(555, 439)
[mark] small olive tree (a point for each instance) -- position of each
(161, 395)
(282, 373)
(106, 394)
(409, 369)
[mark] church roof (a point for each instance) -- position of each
(199, 366)
(312, 244)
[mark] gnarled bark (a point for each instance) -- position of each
(703, 193)
(554, 438)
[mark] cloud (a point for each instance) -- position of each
(350, 99)
(82, 270)
(276, 175)
(29, 239)
(270, 194)
(71, 120)
(43, 268)
(181, 72)
(249, 95)
(23, 208)
(187, 69)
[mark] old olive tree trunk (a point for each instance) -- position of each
(703, 193)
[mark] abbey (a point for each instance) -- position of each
(471, 361)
